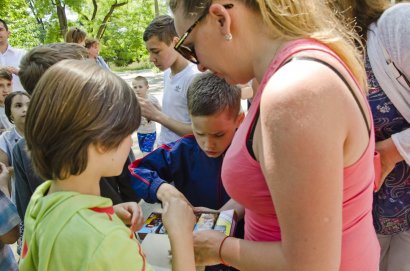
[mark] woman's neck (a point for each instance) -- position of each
(265, 52)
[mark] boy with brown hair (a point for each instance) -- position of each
(68, 211)
(160, 38)
(32, 67)
(193, 163)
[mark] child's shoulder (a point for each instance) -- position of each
(92, 227)
(152, 98)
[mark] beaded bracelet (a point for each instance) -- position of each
(220, 251)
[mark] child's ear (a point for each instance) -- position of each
(240, 118)
(174, 41)
(100, 149)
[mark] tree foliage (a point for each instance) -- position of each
(118, 24)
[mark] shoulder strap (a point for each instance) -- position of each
(249, 140)
(368, 126)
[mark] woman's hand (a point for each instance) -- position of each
(206, 247)
(131, 214)
(389, 157)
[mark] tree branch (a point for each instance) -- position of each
(103, 25)
(94, 10)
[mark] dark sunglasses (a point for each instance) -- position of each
(188, 52)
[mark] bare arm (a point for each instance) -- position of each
(11, 236)
(303, 130)
(179, 221)
(389, 156)
(4, 158)
(5, 185)
(151, 112)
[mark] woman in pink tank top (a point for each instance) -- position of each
(301, 165)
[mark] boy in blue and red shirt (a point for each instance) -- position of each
(193, 163)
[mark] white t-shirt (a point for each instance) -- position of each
(148, 127)
(12, 57)
(174, 100)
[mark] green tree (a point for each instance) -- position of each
(119, 24)
(23, 27)
(123, 43)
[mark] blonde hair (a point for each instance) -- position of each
(294, 19)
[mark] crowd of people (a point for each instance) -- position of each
(317, 170)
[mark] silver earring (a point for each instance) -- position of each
(228, 37)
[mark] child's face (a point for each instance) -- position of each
(214, 133)
(94, 50)
(161, 54)
(140, 88)
(19, 107)
(5, 89)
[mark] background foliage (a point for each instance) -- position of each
(118, 24)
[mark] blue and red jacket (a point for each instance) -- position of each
(185, 165)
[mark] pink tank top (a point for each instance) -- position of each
(243, 180)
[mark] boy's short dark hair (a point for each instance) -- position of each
(8, 102)
(163, 27)
(75, 35)
(89, 42)
(141, 78)
(208, 94)
(5, 74)
(39, 59)
(76, 103)
(5, 24)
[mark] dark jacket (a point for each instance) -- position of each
(184, 164)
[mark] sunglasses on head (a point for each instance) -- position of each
(188, 52)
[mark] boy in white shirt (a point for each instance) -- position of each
(147, 131)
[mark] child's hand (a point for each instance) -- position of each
(131, 214)
(166, 192)
(178, 217)
(149, 110)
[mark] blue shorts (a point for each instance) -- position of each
(146, 141)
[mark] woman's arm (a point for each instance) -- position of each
(302, 139)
